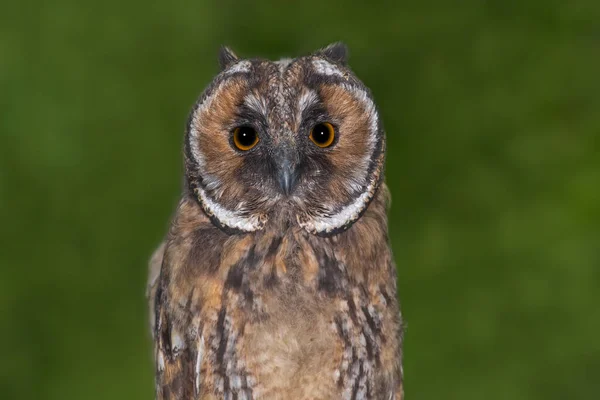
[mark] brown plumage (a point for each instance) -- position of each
(276, 279)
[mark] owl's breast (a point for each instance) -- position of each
(294, 352)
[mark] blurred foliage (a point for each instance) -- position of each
(492, 110)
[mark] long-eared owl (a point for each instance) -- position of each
(276, 278)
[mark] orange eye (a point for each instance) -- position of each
(322, 134)
(245, 137)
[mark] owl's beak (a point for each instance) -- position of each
(287, 176)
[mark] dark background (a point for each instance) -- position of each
(492, 110)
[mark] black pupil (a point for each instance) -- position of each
(246, 136)
(321, 133)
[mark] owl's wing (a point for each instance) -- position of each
(177, 362)
(152, 284)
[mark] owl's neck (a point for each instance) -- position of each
(284, 255)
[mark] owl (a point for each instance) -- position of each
(276, 278)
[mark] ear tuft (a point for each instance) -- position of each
(227, 58)
(337, 52)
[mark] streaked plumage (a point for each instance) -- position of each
(276, 279)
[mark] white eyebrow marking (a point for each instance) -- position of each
(326, 68)
(257, 103)
(307, 98)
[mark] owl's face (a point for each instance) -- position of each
(292, 142)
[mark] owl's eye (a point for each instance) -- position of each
(322, 134)
(245, 137)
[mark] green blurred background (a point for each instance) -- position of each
(492, 110)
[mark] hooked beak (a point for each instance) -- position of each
(287, 174)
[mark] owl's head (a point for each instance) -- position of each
(297, 141)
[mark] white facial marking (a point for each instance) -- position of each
(241, 66)
(232, 219)
(196, 122)
(346, 214)
(307, 98)
(256, 103)
(371, 112)
(369, 109)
